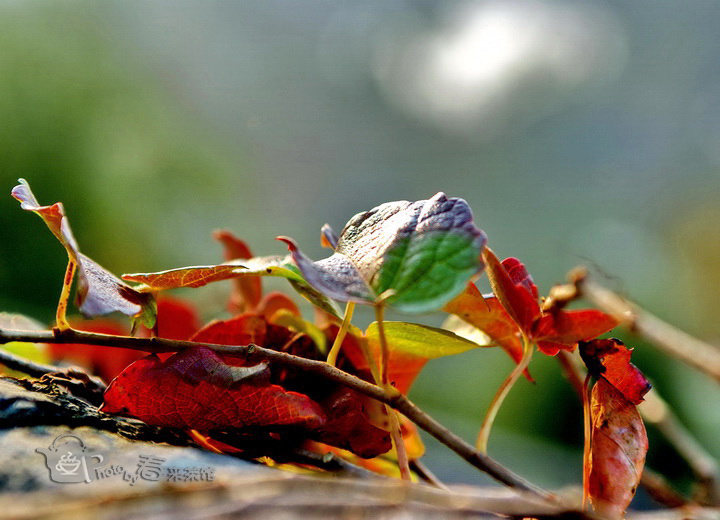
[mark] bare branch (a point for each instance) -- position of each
(674, 342)
(253, 352)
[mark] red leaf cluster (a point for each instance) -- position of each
(214, 392)
(552, 330)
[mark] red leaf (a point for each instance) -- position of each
(347, 426)
(196, 276)
(247, 291)
(244, 329)
(274, 302)
(207, 394)
(619, 445)
(176, 318)
(567, 328)
(610, 360)
(517, 293)
(519, 275)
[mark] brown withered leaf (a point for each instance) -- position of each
(619, 444)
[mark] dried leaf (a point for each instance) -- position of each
(619, 445)
(610, 360)
(417, 255)
(99, 292)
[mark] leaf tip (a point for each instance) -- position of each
(292, 245)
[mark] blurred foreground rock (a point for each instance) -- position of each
(141, 477)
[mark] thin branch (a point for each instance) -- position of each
(391, 397)
(674, 342)
(703, 465)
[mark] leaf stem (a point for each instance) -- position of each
(587, 420)
(60, 316)
(395, 432)
(347, 318)
(384, 352)
(484, 435)
(395, 399)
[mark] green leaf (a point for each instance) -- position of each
(410, 346)
(419, 340)
(99, 292)
(415, 255)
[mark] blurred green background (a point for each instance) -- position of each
(579, 132)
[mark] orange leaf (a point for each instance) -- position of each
(488, 315)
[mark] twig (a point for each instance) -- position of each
(424, 473)
(703, 465)
(660, 489)
(691, 351)
(392, 398)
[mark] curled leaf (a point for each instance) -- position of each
(514, 289)
(416, 255)
(619, 444)
(553, 329)
(328, 237)
(99, 292)
(610, 359)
